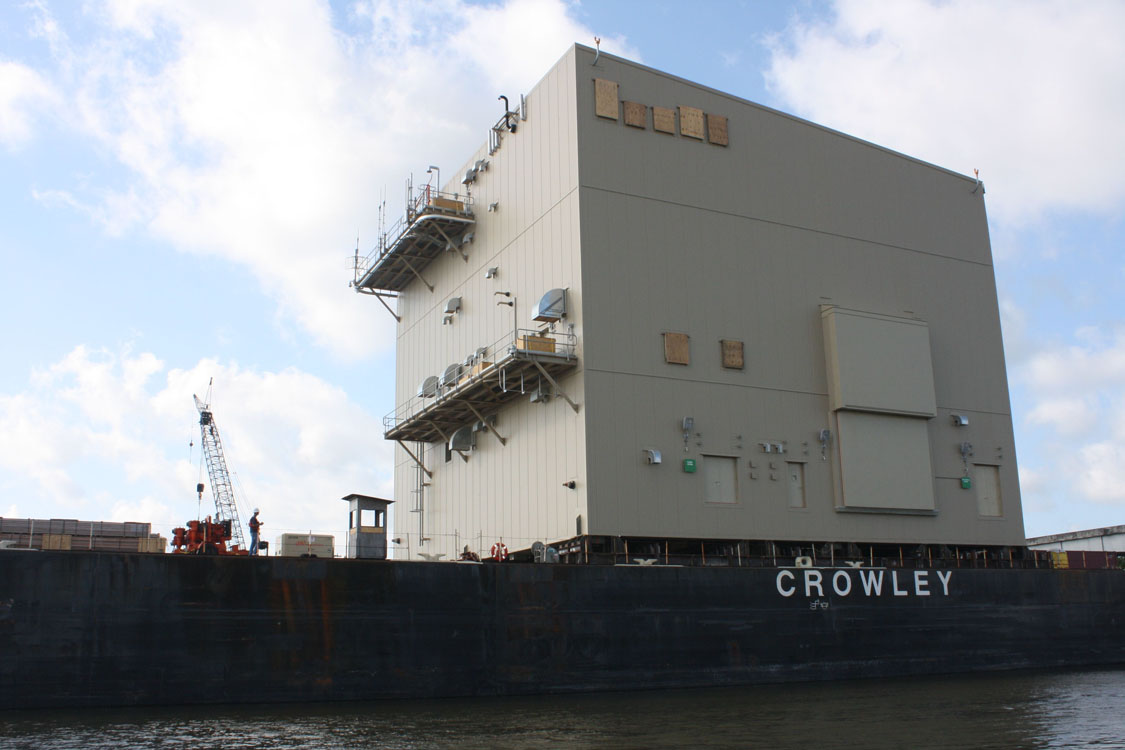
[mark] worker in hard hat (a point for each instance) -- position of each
(255, 525)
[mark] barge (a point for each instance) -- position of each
(644, 319)
(108, 629)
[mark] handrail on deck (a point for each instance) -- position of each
(430, 202)
(521, 344)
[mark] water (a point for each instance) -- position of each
(1014, 710)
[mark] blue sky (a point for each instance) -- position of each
(181, 185)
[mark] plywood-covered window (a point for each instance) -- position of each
(664, 120)
(732, 354)
(605, 98)
(691, 122)
(986, 479)
(677, 348)
(720, 477)
(636, 114)
(717, 130)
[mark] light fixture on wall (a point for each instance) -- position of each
(960, 420)
(492, 272)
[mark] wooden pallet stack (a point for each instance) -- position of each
(70, 534)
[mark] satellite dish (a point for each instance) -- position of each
(551, 307)
(463, 439)
(429, 387)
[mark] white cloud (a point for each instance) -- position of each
(1026, 90)
(1102, 476)
(1070, 416)
(262, 132)
(23, 92)
(1077, 392)
(104, 436)
(1080, 368)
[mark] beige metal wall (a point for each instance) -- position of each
(514, 491)
(748, 242)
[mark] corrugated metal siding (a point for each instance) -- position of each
(514, 491)
(746, 242)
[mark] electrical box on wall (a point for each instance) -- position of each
(689, 465)
(966, 483)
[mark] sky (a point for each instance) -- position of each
(182, 186)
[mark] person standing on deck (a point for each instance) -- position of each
(255, 525)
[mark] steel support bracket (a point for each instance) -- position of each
(503, 440)
(445, 437)
(380, 296)
(415, 272)
(450, 244)
(421, 465)
(555, 384)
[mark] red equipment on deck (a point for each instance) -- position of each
(204, 537)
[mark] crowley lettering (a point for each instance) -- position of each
(820, 582)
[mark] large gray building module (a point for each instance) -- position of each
(646, 308)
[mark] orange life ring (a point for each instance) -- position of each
(499, 551)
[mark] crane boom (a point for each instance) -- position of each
(221, 486)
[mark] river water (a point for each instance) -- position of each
(1065, 709)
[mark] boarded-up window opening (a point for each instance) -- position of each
(691, 122)
(717, 130)
(664, 120)
(636, 114)
(605, 98)
(732, 354)
(677, 349)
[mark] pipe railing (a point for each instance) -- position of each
(520, 344)
(416, 208)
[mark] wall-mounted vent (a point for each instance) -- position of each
(463, 440)
(551, 307)
(429, 387)
(449, 377)
(453, 304)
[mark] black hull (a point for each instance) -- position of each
(93, 629)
